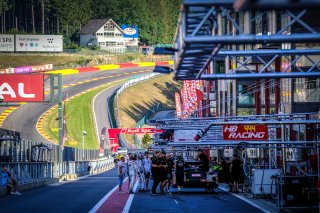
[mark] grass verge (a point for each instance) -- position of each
(79, 117)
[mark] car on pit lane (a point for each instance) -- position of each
(194, 177)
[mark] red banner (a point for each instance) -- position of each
(113, 134)
(17, 88)
(178, 105)
(134, 131)
(245, 132)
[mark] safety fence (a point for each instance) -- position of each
(133, 81)
(32, 163)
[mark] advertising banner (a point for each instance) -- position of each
(39, 43)
(41, 68)
(130, 31)
(178, 105)
(185, 135)
(6, 43)
(21, 70)
(22, 88)
(245, 132)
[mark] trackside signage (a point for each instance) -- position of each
(24, 87)
(245, 132)
(6, 43)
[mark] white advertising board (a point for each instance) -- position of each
(6, 43)
(39, 43)
(185, 135)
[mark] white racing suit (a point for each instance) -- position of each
(131, 170)
(140, 172)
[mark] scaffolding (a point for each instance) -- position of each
(211, 29)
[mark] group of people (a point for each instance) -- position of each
(231, 172)
(135, 166)
(142, 166)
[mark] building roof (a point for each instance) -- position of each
(95, 24)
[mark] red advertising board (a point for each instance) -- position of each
(113, 134)
(245, 132)
(24, 87)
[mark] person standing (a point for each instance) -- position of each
(170, 164)
(132, 171)
(237, 173)
(121, 172)
(204, 161)
(179, 165)
(163, 172)
(140, 172)
(147, 169)
(155, 172)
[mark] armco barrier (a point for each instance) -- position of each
(63, 72)
(146, 64)
(108, 67)
(87, 69)
(34, 174)
(127, 65)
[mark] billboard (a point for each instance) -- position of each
(39, 43)
(25, 88)
(130, 35)
(245, 132)
(130, 31)
(184, 135)
(6, 43)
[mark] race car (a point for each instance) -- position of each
(194, 177)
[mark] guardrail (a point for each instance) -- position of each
(131, 82)
(33, 174)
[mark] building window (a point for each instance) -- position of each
(102, 43)
(120, 43)
(111, 43)
(108, 34)
(108, 27)
(99, 34)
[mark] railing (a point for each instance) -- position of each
(131, 82)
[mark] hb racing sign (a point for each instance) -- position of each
(24, 87)
(245, 132)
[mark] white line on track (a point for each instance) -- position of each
(101, 202)
(247, 201)
(129, 201)
(176, 202)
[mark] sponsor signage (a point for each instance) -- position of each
(245, 132)
(178, 105)
(19, 70)
(17, 88)
(184, 135)
(40, 68)
(6, 43)
(39, 43)
(130, 31)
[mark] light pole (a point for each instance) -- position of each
(84, 133)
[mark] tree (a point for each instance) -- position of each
(146, 140)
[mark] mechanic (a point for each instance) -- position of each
(179, 165)
(204, 161)
(170, 164)
(155, 172)
(163, 172)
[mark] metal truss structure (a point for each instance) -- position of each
(198, 123)
(207, 27)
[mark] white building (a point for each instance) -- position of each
(104, 33)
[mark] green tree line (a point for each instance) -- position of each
(156, 19)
